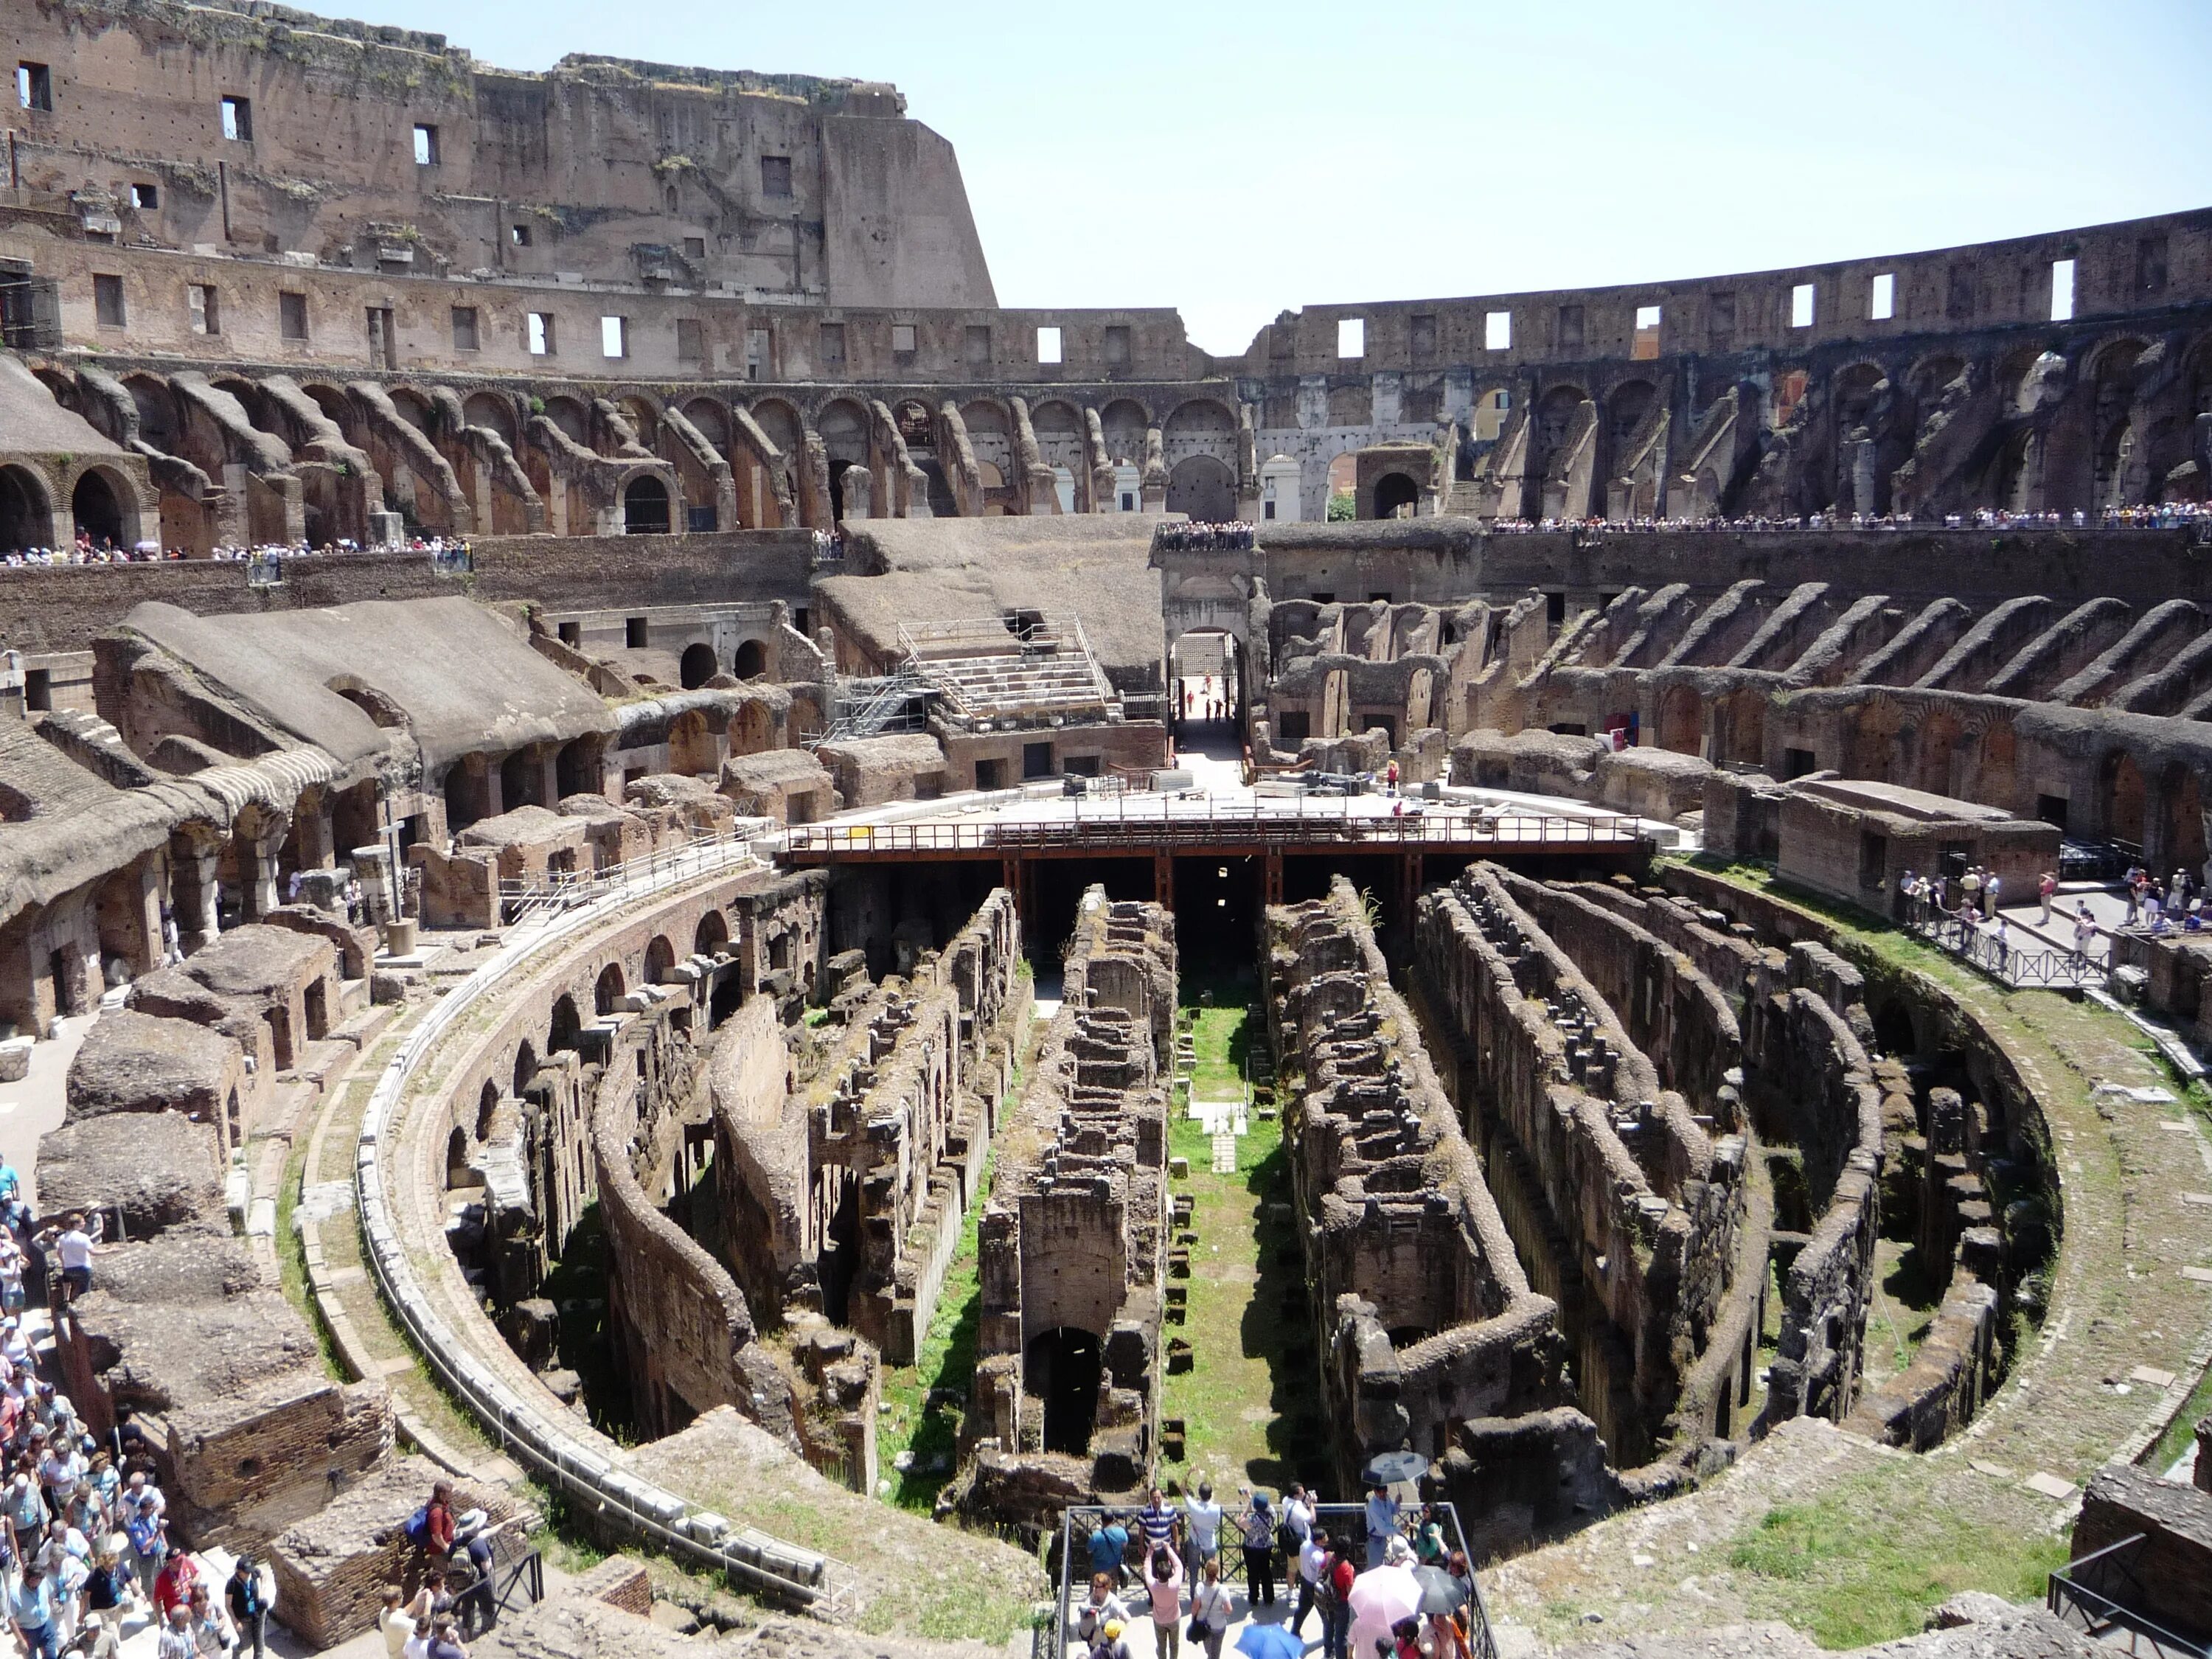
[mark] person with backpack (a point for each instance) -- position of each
(1336, 1596)
(249, 1607)
(1212, 1609)
(430, 1528)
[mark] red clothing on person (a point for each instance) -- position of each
(173, 1585)
(441, 1521)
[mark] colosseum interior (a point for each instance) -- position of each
(1539, 915)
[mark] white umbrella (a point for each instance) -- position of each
(1381, 1596)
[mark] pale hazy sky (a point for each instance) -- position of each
(1235, 160)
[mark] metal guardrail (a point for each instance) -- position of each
(2036, 964)
(522, 1428)
(563, 890)
(2098, 1594)
(1104, 829)
(1347, 1521)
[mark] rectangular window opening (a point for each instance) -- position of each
(107, 301)
(978, 345)
(145, 198)
(1646, 343)
(690, 340)
(759, 353)
(833, 346)
(539, 331)
(1571, 327)
(634, 630)
(292, 315)
(1497, 331)
(1048, 344)
(1117, 346)
(695, 247)
(1647, 317)
(2062, 290)
(1882, 298)
(613, 336)
(775, 175)
(519, 236)
(902, 339)
(205, 309)
(34, 86)
(426, 145)
(572, 633)
(39, 690)
(465, 328)
(1352, 337)
(238, 120)
(1800, 305)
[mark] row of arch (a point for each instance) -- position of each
(103, 506)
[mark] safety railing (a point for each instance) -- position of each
(2100, 1594)
(2000, 954)
(536, 1433)
(1136, 823)
(520, 898)
(1347, 1521)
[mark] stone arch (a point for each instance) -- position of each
(1201, 426)
(1551, 420)
(712, 418)
(156, 401)
(1393, 493)
(646, 506)
(2122, 796)
(27, 518)
(1351, 405)
(1941, 734)
(457, 1159)
(844, 427)
(563, 1026)
(711, 934)
(487, 1103)
(2117, 361)
(660, 961)
(780, 424)
(1124, 422)
(103, 505)
(643, 413)
(2116, 447)
(572, 417)
(608, 990)
(696, 666)
(2181, 808)
(1740, 728)
(1681, 720)
(415, 409)
(1204, 486)
(1625, 407)
(525, 1066)
(750, 662)
(495, 413)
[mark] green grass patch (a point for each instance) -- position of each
(2182, 1430)
(1850, 1569)
(1250, 1402)
(946, 1361)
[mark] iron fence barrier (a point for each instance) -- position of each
(2099, 1594)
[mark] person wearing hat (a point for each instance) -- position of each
(1108, 1644)
(101, 1639)
(249, 1607)
(1259, 1524)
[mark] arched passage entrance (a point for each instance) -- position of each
(25, 519)
(645, 507)
(97, 510)
(1680, 721)
(2183, 801)
(2124, 799)
(1396, 496)
(1205, 677)
(751, 660)
(608, 991)
(697, 667)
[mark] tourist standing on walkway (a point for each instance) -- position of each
(1313, 1563)
(1336, 1603)
(1381, 1523)
(1202, 1530)
(2046, 887)
(1157, 1521)
(1163, 1584)
(249, 1608)
(1259, 1523)
(1212, 1608)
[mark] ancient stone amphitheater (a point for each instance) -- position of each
(1143, 915)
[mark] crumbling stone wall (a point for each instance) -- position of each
(1074, 1236)
(1630, 1206)
(1425, 1317)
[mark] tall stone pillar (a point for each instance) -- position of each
(192, 888)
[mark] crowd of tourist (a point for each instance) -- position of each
(2175, 907)
(1233, 536)
(84, 1535)
(1163, 1563)
(87, 551)
(2165, 516)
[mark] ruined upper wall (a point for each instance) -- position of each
(2128, 268)
(797, 184)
